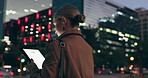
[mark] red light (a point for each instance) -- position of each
(1, 56)
(30, 39)
(32, 25)
(26, 19)
(1, 73)
(19, 21)
(42, 37)
(99, 71)
(12, 73)
(37, 16)
(122, 72)
(49, 35)
(23, 28)
(7, 32)
(5, 25)
(18, 58)
(49, 12)
(39, 28)
(49, 26)
(24, 39)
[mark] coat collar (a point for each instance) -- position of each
(70, 32)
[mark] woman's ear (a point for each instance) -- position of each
(64, 20)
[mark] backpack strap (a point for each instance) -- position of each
(62, 55)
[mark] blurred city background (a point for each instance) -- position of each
(117, 30)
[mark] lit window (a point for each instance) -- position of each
(49, 18)
(31, 32)
(31, 29)
(43, 27)
(30, 39)
(37, 35)
(18, 21)
(37, 16)
(42, 37)
(26, 26)
(39, 28)
(114, 32)
(26, 19)
(32, 25)
(23, 28)
(24, 40)
(49, 35)
(49, 12)
(37, 24)
(49, 26)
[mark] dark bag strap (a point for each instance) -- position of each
(62, 55)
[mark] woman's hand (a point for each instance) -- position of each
(32, 66)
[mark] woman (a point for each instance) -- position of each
(78, 59)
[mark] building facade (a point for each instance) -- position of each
(2, 14)
(143, 17)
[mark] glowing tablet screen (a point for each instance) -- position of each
(36, 55)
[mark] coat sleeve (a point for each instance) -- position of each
(50, 65)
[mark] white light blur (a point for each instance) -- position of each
(33, 10)
(18, 70)
(26, 10)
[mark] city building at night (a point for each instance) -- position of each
(143, 17)
(31, 30)
(110, 28)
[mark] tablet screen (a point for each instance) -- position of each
(36, 55)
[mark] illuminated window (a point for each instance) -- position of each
(26, 19)
(114, 32)
(24, 40)
(39, 28)
(108, 30)
(42, 37)
(37, 16)
(23, 28)
(30, 39)
(49, 12)
(32, 25)
(49, 35)
(49, 26)
(18, 21)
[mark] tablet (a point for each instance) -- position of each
(36, 55)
